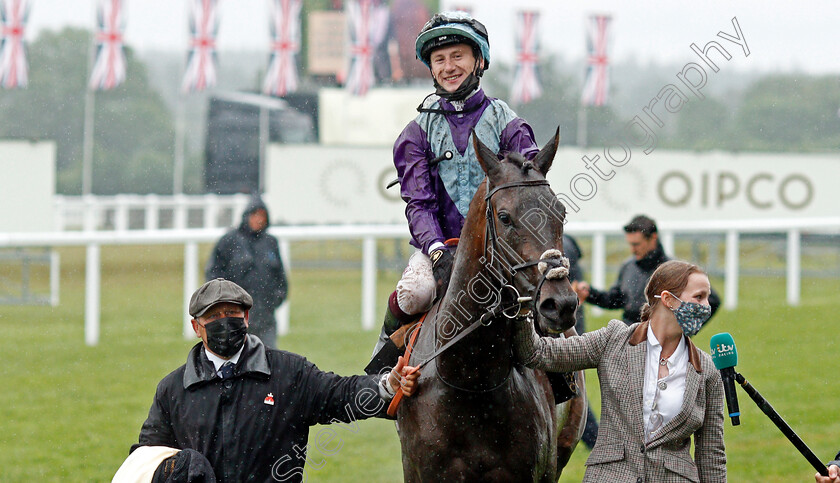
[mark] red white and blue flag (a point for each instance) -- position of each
(367, 22)
(597, 85)
(201, 62)
(109, 67)
(526, 84)
(13, 68)
(282, 77)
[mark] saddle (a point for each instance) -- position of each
(392, 350)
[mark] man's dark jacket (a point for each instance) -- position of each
(233, 423)
(251, 260)
(628, 292)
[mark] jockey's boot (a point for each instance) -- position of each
(386, 352)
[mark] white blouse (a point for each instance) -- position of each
(663, 398)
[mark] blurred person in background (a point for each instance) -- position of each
(573, 252)
(456, 49)
(657, 389)
(250, 257)
(240, 411)
(628, 292)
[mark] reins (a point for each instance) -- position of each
(551, 264)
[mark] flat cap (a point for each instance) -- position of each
(218, 291)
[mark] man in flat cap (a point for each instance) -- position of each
(247, 409)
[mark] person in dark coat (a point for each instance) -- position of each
(573, 252)
(246, 408)
(250, 256)
(628, 292)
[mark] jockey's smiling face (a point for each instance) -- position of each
(451, 65)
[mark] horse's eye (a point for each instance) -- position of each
(505, 218)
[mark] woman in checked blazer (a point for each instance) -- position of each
(657, 388)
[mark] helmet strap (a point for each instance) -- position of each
(465, 89)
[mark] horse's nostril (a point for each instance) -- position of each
(553, 307)
(548, 308)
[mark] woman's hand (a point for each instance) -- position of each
(833, 475)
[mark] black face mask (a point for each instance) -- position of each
(226, 336)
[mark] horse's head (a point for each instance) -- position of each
(524, 234)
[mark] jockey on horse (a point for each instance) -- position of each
(455, 47)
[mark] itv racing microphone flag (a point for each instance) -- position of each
(13, 67)
(281, 77)
(201, 63)
(526, 85)
(367, 23)
(109, 67)
(597, 85)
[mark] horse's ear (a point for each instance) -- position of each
(545, 157)
(486, 157)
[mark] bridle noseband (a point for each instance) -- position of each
(551, 264)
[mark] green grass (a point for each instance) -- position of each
(70, 412)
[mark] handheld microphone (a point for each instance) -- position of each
(725, 357)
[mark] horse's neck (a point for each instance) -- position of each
(471, 292)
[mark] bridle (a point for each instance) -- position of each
(509, 303)
(551, 264)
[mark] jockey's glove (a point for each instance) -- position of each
(442, 260)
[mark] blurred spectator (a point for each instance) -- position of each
(250, 257)
(573, 253)
(628, 292)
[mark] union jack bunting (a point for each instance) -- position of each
(201, 62)
(367, 23)
(281, 77)
(526, 84)
(109, 68)
(597, 85)
(13, 68)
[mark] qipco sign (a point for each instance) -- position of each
(728, 189)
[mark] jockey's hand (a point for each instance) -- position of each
(404, 378)
(442, 260)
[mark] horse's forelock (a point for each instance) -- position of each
(516, 159)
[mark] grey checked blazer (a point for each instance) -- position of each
(620, 454)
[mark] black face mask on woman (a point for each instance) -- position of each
(226, 336)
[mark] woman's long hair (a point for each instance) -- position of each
(671, 276)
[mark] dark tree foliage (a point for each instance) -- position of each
(133, 130)
(789, 113)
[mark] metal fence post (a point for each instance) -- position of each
(92, 287)
(283, 312)
(794, 273)
(599, 265)
(731, 279)
(190, 284)
(667, 239)
(368, 282)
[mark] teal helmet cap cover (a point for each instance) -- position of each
(456, 24)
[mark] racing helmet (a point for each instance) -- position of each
(449, 28)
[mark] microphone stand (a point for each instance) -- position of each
(782, 425)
